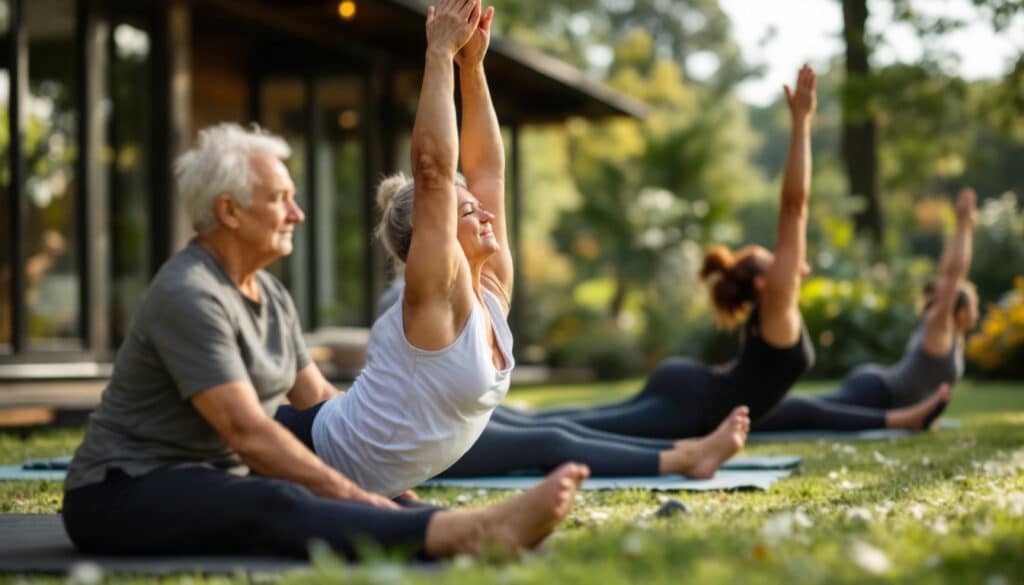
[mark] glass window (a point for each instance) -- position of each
(341, 227)
(6, 219)
(126, 160)
(51, 266)
(283, 112)
(5, 16)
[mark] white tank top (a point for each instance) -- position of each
(412, 413)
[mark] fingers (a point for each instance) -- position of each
(381, 502)
(485, 20)
(788, 92)
(430, 14)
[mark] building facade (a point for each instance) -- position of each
(97, 97)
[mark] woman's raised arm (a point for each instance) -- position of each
(953, 268)
(433, 261)
(483, 153)
(780, 315)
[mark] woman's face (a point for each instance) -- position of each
(967, 316)
(475, 228)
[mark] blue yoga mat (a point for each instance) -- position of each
(56, 468)
(754, 462)
(19, 473)
(821, 434)
(723, 480)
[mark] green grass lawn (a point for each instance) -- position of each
(946, 506)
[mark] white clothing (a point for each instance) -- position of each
(412, 413)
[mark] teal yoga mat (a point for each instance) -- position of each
(55, 469)
(826, 435)
(723, 480)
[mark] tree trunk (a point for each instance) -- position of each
(619, 297)
(859, 143)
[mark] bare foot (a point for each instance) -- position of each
(701, 458)
(914, 417)
(517, 523)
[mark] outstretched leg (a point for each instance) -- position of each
(681, 398)
(808, 413)
(503, 449)
(518, 419)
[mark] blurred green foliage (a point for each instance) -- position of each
(619, 212)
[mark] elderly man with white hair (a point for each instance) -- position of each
(183, 454)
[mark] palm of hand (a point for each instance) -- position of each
(965, 204)
(803, 101)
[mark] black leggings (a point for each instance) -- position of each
(859, 404)
(198, 510)
(682, 398)
(514, 442)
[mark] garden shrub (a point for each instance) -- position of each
(998, 346)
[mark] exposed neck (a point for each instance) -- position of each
(235, 259)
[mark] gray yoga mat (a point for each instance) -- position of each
(820, 434)
(36, 543)
(723, 480)
(55, 469)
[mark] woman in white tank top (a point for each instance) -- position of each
(438, 361)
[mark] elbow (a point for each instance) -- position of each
(245, 436)
(794, 204)
(433, 169)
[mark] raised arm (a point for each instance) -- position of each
(483, 153)
(435, 261)
(953, 268)
(780, 314)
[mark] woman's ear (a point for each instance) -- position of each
(759, 282)
(226, 209)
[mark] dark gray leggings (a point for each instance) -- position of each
(859, 404)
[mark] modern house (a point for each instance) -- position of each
(97, 97)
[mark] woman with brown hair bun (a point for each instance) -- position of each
(912, 393)
(753, 286)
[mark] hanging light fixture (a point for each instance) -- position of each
(347, 9)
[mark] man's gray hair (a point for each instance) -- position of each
(221, 163)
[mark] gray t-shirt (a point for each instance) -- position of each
(194, 330)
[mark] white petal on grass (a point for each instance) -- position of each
(386, 574)
(916, 510)
(1012, 503)
(85, 573)
(869, 557)
(862, 514)
(940, 527)
(783, 525)
(633, 544)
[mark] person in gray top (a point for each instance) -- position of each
(183, 454)
(910, 394)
